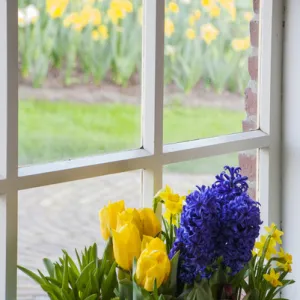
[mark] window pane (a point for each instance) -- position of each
(65, 216)
(79, 78)
(207, 46)
(184, 176)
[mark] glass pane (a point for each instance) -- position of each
(183, 177)
(65, 216)
(207, 46)
(79, 86)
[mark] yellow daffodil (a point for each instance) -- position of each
(192, 20)
(95, 35)
(56, 8)
(169, 27)
(288, 258)
(130, 215)
(207, 3)
(153, 265)
(190, 33)
(70, 19)
(173, 202)
(126, 245)
(271, 250)
(214, 11)
(119, 9)
(273, 278)
(209, 33)
(248, 15)
(91, 15)
(241, 44)
(197, 14)
(103, 32)
(276, 235)
(170, 217)
(229, 5)
(108, 217)
(150, 223)
(173, 7)
(285, 266)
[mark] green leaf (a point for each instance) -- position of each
(49, 266)
(32, 275)
(65, 281)
(107, 286)
(84, 276)
(92, 297)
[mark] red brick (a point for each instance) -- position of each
(249, 125)
(250, 102)
(248, 165)
(253, 67)
(256, 6)
(254, 33)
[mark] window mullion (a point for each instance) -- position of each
(269, 95)
(8, 146)
(152, 94)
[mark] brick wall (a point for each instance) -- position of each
(248, 159)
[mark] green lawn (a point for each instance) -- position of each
(50, 131)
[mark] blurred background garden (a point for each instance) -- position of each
(80, 75)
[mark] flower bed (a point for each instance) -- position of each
(205, 41)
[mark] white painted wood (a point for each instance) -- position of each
(152, 93)
(291, 142)
(84, 168)
(215, 146)
(8, 146)
(269, 95)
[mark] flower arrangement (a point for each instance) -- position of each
(207, 250)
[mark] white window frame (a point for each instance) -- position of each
(153, 154)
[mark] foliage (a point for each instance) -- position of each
(205, 41)
(90, 279)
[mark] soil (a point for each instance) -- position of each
(53, 90)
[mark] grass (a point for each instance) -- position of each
(50, 131)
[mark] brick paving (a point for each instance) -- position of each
(65, 216)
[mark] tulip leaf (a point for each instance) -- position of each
(108, 284)
(32, 275)
(49, 266)
(92, 297)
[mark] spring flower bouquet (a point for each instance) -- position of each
(207, 248)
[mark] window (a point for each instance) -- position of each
(153, 154)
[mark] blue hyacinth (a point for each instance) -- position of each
(218, 221)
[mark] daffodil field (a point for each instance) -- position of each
(206, 41)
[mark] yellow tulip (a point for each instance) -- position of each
(108, 217)
(150, 223)
(126, 245)
(152, 265)
(130, 215)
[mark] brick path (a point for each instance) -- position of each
(65, 216)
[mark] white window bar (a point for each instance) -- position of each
(152, 94)
(291, 142)
(9, 147)
(269, 96)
